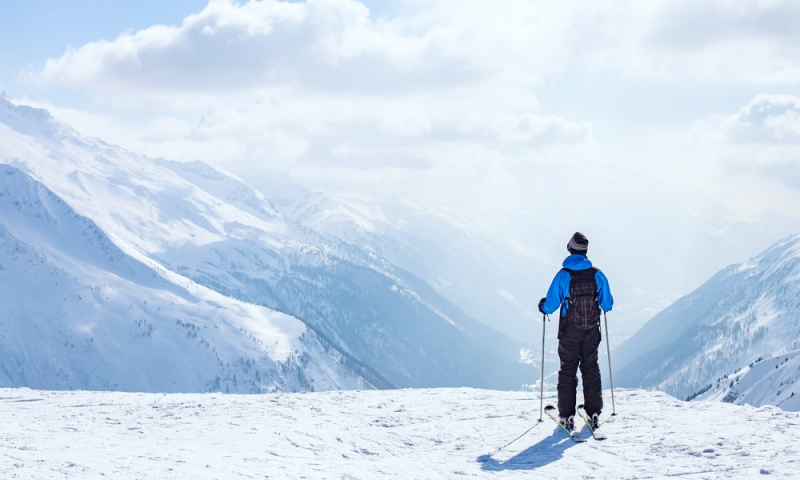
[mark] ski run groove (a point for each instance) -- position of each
(404, 434)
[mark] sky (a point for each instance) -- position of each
(477, 101)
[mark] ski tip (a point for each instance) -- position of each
(548, 408)
(580, 407)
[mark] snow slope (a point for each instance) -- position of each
(80, 313)
(219, 232)
(770, 381)
(404, 434)
(714, 340)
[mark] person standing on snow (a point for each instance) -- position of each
(580, 291)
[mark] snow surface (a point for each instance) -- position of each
(406, 434)
(771, 381)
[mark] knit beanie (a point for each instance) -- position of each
(578, 244)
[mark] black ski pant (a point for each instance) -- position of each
(577, 348)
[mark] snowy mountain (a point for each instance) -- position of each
(736, 338)
(472, 264)
(215, 230)
(495, 262)
(403, 434)
(81, 313)
(770, 381)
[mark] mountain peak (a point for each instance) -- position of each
(27, 120)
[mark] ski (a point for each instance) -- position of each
(596, 433)
(552, 412)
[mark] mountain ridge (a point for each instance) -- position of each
(747, 312)
(81, 313)
(221, 233)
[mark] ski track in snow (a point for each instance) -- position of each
(408, 434)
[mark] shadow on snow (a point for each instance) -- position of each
(547, 451)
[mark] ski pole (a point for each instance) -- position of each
(610, 376)
(541, 382)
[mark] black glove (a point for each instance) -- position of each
(541, 302)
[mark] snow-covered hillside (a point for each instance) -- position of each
(80, 313)
(496, 262)
(473, 264)
(217, 231)
(736, 338)
(770, 381)
(404, 434)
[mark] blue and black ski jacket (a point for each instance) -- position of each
(559, 289)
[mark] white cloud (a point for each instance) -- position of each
(691, 24)
(334, 45)
(318, 45)
(323, 83)
(746, 158)
(462, 89)
(767, 118)
(547, 129)
(706, 41)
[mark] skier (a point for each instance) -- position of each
(581, 291)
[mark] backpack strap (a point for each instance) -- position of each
(572, 274)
